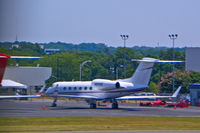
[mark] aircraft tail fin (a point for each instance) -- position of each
(3, 62)
(142, 74)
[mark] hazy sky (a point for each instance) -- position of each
(147, 22)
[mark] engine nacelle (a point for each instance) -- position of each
(117, 85)
(103, 84)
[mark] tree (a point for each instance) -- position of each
(153, 87)
(182, 78)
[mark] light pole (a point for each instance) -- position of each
(116, 74)
(124, 37)
(82, 64)
(173, 37)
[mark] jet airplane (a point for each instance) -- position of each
(108, 90)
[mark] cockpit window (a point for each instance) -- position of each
(54, 85)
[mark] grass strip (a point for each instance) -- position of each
(51, 124)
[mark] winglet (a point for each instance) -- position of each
(42, 90)
(176, 92)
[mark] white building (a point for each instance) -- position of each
(15, 46)
(41, 46)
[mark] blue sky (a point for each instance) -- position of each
(147, 22)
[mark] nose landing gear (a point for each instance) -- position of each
(54, 103)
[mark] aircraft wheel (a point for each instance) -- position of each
(114, 105)
(93, 106)
(53, 105)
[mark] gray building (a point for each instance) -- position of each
(192, 59)
(192, 63)
(195, 94)
(31, 79)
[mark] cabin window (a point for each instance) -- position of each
(70, 88)
(90, 88)
(85, 88)
(74, 88)
(64, 88)
(80, 88)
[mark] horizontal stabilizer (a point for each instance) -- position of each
(152, 60)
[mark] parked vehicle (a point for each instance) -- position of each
(154, 103)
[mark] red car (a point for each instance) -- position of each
(181, 104)
(154, 103)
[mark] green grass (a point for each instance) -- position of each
(50, 124)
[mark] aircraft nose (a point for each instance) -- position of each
(49, 90)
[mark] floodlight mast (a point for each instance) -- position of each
(173, 37)
(124, 37)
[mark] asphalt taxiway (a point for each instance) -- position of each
(41, 108)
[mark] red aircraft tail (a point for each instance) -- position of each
(3, 62)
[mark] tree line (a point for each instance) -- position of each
(109, 65)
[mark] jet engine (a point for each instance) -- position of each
(103, 84)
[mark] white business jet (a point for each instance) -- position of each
(108, 90)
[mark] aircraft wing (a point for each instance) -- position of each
(24, 57)
(19, 96)
(150, 97)
(78, 96)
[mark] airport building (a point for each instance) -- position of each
(195, 94)
(192, 63)
(29, 80)
(192, 59)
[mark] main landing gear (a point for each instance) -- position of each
(114, 105)
(54, 103)
(93, 105)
